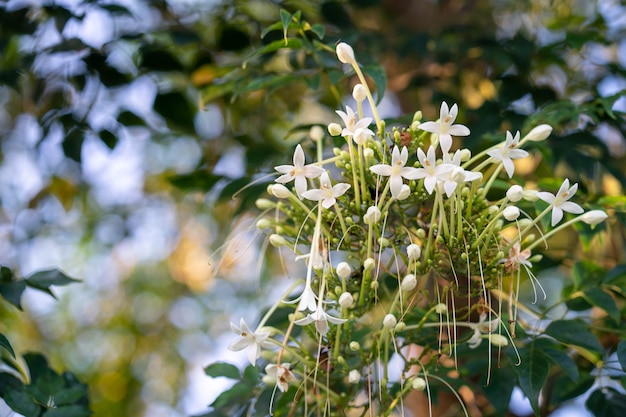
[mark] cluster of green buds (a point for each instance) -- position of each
(406, 244)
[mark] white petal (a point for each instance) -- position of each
(459, 130)
(430, 182)
(381, 169)
(284, 169)
(509, 167)
(305, 320)
(314, 194)
(395, 183)
(571, 207)
(444, 111)
(546, 196)
(301, 185)
(253, 353)
(340, 189)
(328, 202)
(298, 157)
(239, 344)
(445, 142)
(313, 171)
(557, 215)
(432, 127)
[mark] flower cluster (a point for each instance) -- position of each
(406, 243)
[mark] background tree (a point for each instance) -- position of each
(126, 130)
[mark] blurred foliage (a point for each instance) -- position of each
(242, 82)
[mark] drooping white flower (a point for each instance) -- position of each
(430, 171)
(351, 123)
(538, 133)
(517, 257)
(413, 251)
(283, 375)
(298, 172)
(328, 193)
(483, 326)
(508, 152)
(321, 318)
(253, 341)
(409, 282)
(560, 201)
(396, 171)
(444, 127)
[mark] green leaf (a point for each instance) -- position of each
(4, 342)
(616, 273)
(285, 19)
(621, 353)
(20, 402)
(574, 332)
(176, 110)
(560, 358)
(238, 394)
(532, 374)
(273, 47)
(251, 375)
(377, 73)
(68, 411)
(44, 279)
(71, 395)
(224, 369)
(500, 387)
(275, 26)
(197, 180)
(603, 300)
(606, 402)
(73, 143)
(108, 138)
(319, 30)
(12, 291)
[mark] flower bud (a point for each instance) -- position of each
(409, 282)
(359, 93)
(343, 270)
(369, 264)
(530, 195)
(354, 376)
(269, 380)
(511, 213)
(372, 216)
(441, 309)
(594, 217)
(498, 340)
(316, 133)
(383, 242)
(361, 136)
(493, 210)
(335, 129)
(279, 191)
(346, 300)
(400, 326)
(413, 251)
(368, 153)
(354, 346)
(417, 116)
(345, 53)
(278, 241)
(264, 204)
(389, 322)
(515, 193)
(538, 133)
(263, 224)
(405, 192)
(419, 384)
(466, 154)
(524, 222)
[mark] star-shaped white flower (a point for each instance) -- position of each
(321, 318)
(283, 375)
(456, 175)
(298, 172)
(328, 193)
(396, 171)
(508, 152)
(352, 125)
(559, 201)
(254, 341)
(431, 172)
(444, 127)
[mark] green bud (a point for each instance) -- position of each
(264, 204)
(263, 224)
(278, 241)
(354, 346)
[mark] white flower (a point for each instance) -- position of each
(328, 193)
(346, 300)
(298, 172)
(560, 201)
(343, 270)
(444, 127)
(361, 136)
(517, 257)
(352, 124)
(431, 172)
(389, 322)
(413, 251)
(511, 213)
(508, 152)
(283, 375)
(409, 282)
(320, 318)
(359, 93)
(455, 174)
(307, 298)
(483, 326)
(354, 376)
(594, 217)
(249, 339)
(372, 216)
(515, 193)
(396, 171)
(345, 53)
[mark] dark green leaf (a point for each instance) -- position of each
(251, 375)
(238, 394)
(532, 374)
(4, 342)
(12, 292)
(68, 411)
(73, 144)
(603, 300)
(378, 74)
(560, 358)
(21, 403)
(273, 47)
(621, 353)
(500, 387)
(197, 180)
(176, 110)
(606, 402)
(574, 332)
(44, 279)
(157, 58)
(275, 26)
(285, 19)
(224, 369)
(618, 272)
(9, 382)
(71, 395)
(128, 118)
(319, 30)
(108, 138)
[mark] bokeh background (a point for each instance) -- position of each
(126, 127)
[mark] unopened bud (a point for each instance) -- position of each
(361, 136)
(345, 53)
(263, 224)
(278, 241)
(515, 193)
(594, 217)
(368, 153)
(419, 384)
(413, 251)
(369, 264)
(279, 191)
(466, 154)
(400, 326)
(359, 93)
(264, 204)
(335, 129)
(498, 340)
(316, 133)
(343, 270)
(417, 116)
(409, 282)
(354, 346)
(383, 242)
(405, 192)
(372, 216)
(511, 213)
(389, 322)
(538, 133)
(354, 376)
(346, 300)
(441, 309)
(530, 195)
